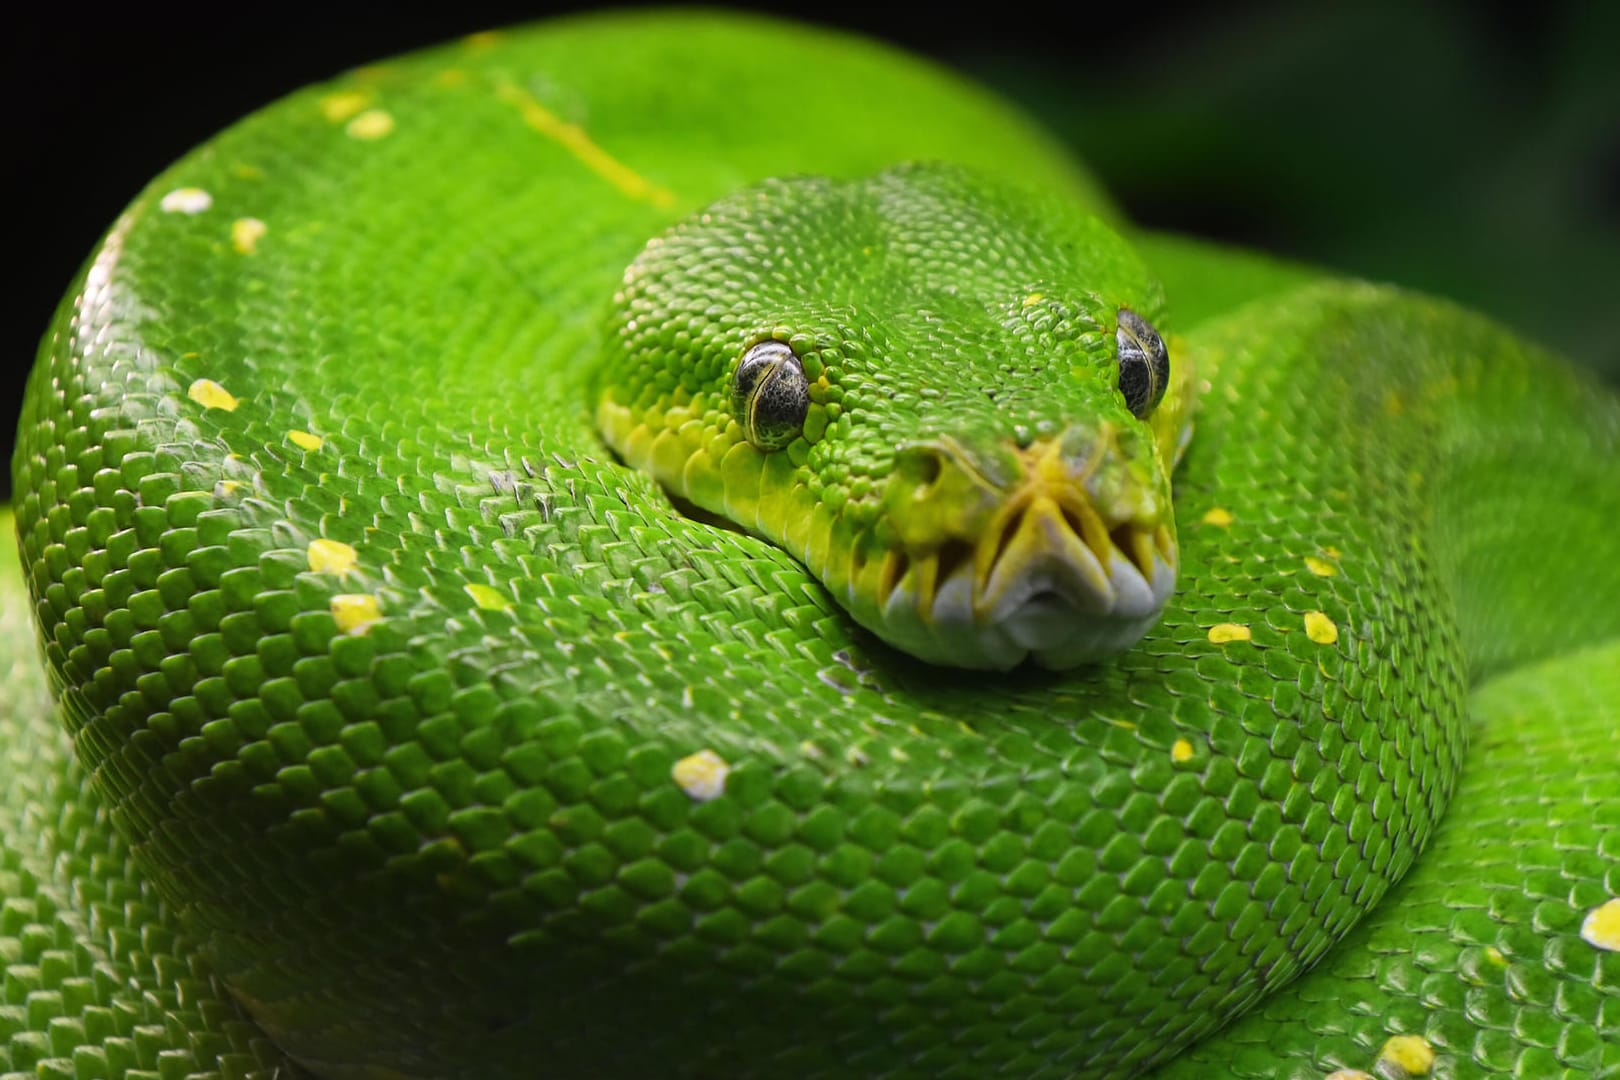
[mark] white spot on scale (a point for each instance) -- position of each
(702, 775)
(370, 125)
(246, 233)
(1601, 927)
(186, 200)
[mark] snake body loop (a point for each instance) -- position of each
(416, 732)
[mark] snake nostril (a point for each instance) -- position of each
(919, 465)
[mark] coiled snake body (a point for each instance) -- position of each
(418, 731)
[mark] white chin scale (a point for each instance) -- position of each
(1060, 609)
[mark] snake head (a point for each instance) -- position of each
(944, 395)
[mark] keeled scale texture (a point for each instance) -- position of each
(455, 844)
(1480, 951)
(97, 979)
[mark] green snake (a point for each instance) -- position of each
(644, 546)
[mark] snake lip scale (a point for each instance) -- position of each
(1049, 582)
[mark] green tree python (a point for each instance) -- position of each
(644, 547)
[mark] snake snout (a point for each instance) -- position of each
(1065, 548)
(1056, 550)
(1068, 584)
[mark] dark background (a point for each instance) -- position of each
(1470, 150)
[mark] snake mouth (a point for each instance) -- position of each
(1052, 580)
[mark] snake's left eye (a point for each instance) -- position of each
(1144, 364)
(769, 395)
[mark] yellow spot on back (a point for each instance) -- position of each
(1126, 724)
(245, 234)
(1349, 1074)
(370, 125)
(488, 597)
(1221, 633)
(1331, 552)
(811, 750)
(1181, 751)
(355, 612)
(210, 395)
(450, 78)
(343, 105)
(186, 200)
(1494, 955)
(306, 440)
(702, 775)
(1602, 926)
(1410, 1053)
(572, 138)
(331, 557)
(1320, 629)
(227, 487)
(1320, 567)
(1218, 517)
(1032, 299)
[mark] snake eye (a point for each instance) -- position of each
(1144, 364)
(770, 396)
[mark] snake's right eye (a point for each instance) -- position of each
(1144, 364)
(769, 395)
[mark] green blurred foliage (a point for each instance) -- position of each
(1469, 152)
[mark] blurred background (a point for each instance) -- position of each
(1470, 150)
